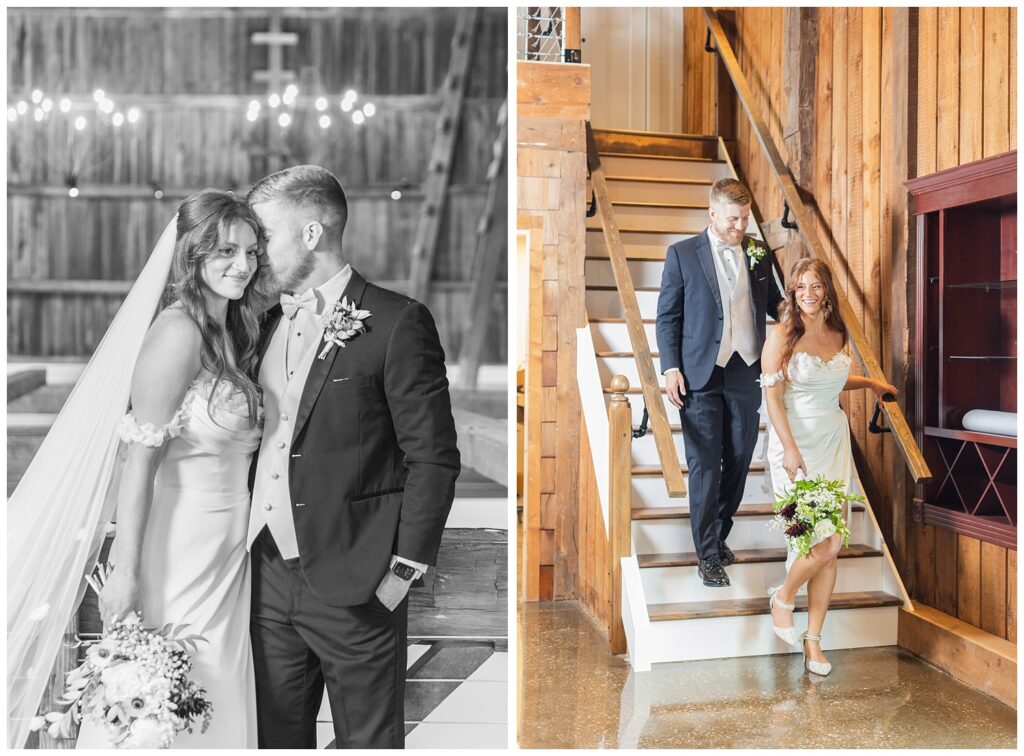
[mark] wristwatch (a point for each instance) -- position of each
(404, 571)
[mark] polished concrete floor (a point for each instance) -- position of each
(572, 694)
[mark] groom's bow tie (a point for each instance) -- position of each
(306, 301)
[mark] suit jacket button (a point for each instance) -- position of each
(719, 317)
(718, 341)
(267, 506)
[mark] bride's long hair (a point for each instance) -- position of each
(789, 312)
(230, 351)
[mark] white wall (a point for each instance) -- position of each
(636, 59)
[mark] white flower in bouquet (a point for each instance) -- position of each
(100, 654)
(123, 682)
(149, 733)
(823, 529)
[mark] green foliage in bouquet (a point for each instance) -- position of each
(813, 510)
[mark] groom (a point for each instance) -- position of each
(716, 289)
(354, 479)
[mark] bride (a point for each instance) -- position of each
(182, 498)
(805, 369)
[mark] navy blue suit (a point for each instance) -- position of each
(720, 409)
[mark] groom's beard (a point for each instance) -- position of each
(289, 281)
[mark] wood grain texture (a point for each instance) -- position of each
(968, 580)
(927, 89)
(744, 556)
(947, 131)
(996, 87)
(754, 606)
(993, 589)
(972, 105)
(620, 495)
(1011, 595)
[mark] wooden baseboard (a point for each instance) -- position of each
(979, 659)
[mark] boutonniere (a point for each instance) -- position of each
(755, 253)
(341, 323)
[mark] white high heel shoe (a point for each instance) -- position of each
(787, 634)
(818, 668)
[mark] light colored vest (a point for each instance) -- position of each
(738, 333)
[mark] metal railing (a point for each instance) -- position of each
(541, 34)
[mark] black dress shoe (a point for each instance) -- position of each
(725, 555)
(712, 572)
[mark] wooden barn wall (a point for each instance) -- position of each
(565, 546)
(890, 94)
(190, 73)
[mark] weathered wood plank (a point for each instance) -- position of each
(947, 133)
(927, 90)
(620, 496)
(993, 589)
(972, 80)
(945, 566)
(968, 582)
(1011, 595)
(553, 90)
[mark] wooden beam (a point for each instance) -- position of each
(572, 28)
(634, 325)
(63, 287)
(142, 192)
(897, 421)
(491, 241)
(620, 503)
(439, 169)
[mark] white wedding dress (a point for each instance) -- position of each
(819, 426)
(195, 567)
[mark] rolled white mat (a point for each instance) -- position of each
(990, 421)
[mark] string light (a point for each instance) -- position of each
(351, 95)
(37, 96)
(47, 105)
(325, 121)
(346, 105)
(99, 95)
(252, 115)
(285, 120)
(12, 114)
(22, 107)
(158, 191)
(133, 115)
(396, 195)
(107, 106)
(118, 119)
(321, 103)
(254, 105)
(358, 117)
(39, 114)
(369, 109)
(80, 123)
(290, 93)
(71, 182)
(65, 105)
(274, 100)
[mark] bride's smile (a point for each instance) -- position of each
(229, 267)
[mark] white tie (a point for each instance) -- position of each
(729, 258)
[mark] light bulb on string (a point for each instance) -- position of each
(325, 121)
(254, 105)
(158, 191)
(321, 103)
(346, 105)
(369, 109)
(118, 119)
(99, 95)
(290, 93)
(107, 106)
(12, 114)
(396, 195)
(22, 107)
(358, 117)
(47, 105)
(80, 123)
(284, 120)
(351, 95)
(274, 100)
(133, 115)
(65, 105)
(39, 115)
(252, 115)
(37, 96)
(71, 182)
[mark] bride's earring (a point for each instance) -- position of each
(827, 306)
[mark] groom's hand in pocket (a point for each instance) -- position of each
(675, 387)
(397, 581)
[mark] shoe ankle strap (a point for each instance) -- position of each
(806, 636)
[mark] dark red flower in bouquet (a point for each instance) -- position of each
(788, 512)
(797, 530)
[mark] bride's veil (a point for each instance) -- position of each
(57, 515)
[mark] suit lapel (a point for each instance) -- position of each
(708, 263)
(320, 369)
(751, 275)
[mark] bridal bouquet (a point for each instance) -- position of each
(813, 510)
(134, 685)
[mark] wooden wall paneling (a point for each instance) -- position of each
(1013, 77)
(530, 567)
(855, 218)
(1011, 595)
(871, 279)
(996, 87)
(968, 583)
(822, 182)
(993, 589)
(897, 254)
(840, 162)
(774, 105)
(570, 316)
(946, 564)
(926, 121)
(947, 132)
(972, 106)
(693, 48)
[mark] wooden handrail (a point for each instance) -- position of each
(901, 432)
(620, 503)
(635, 326)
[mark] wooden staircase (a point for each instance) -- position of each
(659, 195)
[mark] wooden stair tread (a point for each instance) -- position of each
(619, 320)
(649, 180)
(745, 556)
(616, 288)
(754, 606)
(760, 509)
(620, 354)
(674, 158)
(656, 471)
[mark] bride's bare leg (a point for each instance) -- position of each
(819, 593)
(802, 571)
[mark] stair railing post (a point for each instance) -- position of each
(620, 502)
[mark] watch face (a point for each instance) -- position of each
(404, 571)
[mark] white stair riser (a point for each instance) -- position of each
(675, 536)
(664, 585)
(636, 405)
(641, 272)
(645, 451)
(648, 246)
(606, 304)
(724, 637)
(631, 167)
(614, 337)
(671, 220)
(647, 191)
(651, 492)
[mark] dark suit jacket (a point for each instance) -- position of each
(690, 315)
(373, 455)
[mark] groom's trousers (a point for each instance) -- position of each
(300, 643)
(720, 421)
